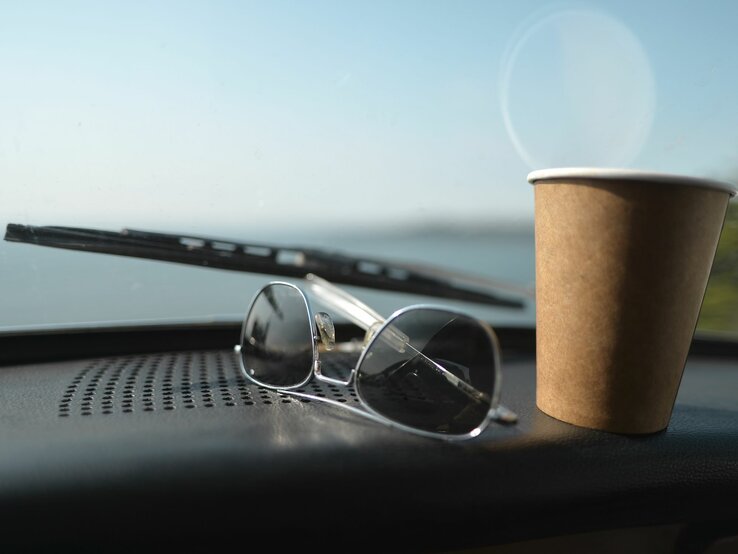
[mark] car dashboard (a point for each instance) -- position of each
(150, 438)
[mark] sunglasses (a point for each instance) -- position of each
(429, 370)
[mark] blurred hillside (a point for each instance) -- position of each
(720, 307)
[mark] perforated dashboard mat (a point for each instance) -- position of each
(179, 381)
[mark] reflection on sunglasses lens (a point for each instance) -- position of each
(277, 339)
(442, 382)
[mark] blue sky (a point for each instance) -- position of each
(241, 114)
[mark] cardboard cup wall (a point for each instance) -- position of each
(622, 263)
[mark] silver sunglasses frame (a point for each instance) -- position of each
(374, 325)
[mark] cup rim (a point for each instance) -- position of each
(535, 177)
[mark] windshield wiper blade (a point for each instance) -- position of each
(288, 261)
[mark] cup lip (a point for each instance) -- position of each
(607, 173)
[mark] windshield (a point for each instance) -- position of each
(397, 130)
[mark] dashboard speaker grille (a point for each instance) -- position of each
(179, 381)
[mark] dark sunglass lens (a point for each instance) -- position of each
(442, 381)
(277, 338)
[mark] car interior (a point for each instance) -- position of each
(161, 166)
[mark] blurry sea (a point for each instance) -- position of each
(42, 286)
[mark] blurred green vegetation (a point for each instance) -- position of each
(720, 306)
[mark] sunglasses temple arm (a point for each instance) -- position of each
(354, 310)
(342, 302)
(362, 315)
(501, 413)
(463, 386)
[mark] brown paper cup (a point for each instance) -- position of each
(622, 263)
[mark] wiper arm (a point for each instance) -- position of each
(288, 261)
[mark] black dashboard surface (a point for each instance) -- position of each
(175, 448)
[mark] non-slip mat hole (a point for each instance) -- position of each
(179, 381)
